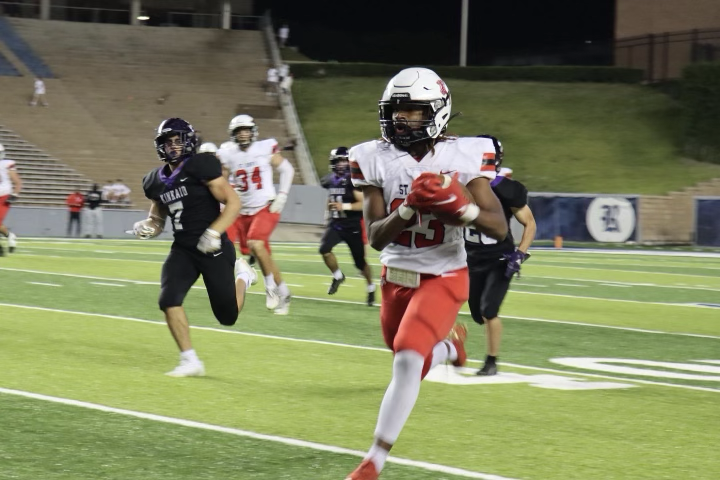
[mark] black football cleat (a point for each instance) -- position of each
(488, 370)
(371, 299)
(335, 285)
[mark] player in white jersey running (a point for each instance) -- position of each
(10, 186)
(251, 162)
(410, 179)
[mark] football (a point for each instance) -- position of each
(445, 217)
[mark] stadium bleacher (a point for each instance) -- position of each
(7, 68)
(116, 83)
(23, 51)
(46, 180)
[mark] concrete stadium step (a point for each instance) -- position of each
(121, 81)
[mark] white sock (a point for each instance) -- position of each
(245, 277)
(190, 356)
(283, 289)
(337, 274)
(377, 455)
(270, 281)
(399, 398)
(442, 352)
(371, 288)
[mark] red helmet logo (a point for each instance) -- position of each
(443, 88)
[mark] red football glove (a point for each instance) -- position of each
(442, 195)
(423, 191)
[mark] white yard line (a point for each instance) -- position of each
(108, 284)
(605, 299)
(328, 300)
(335, 344)
(433, 467)
(45, 284)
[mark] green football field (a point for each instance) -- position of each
(610, 369)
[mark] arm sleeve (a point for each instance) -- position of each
(204, 167)
(287, 172)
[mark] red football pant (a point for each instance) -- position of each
(418, 318)
(4, 207)
(236, 235)
(256, 227)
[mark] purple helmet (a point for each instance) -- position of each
(171, 127)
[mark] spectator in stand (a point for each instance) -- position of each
(75, 203)
(93, 216)
(283, 34)
(39, 93)
(108, 193)
(272, 81)
(286, 83)
(121, 192)
(283, 71)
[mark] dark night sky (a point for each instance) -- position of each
(429, 31)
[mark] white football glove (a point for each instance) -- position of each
(209, 241)
(146, 229)
(279, 203)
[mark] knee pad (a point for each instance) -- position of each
(227, 317)
(360, 263)
(324, 249)
(490, 311)
(476, 312)
(168, 299)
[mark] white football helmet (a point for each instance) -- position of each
(245, 122)
(208, 147)
(2, 152)
(415, 86)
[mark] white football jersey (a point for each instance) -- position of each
(432, 246)
(6, 186)
(252, 172)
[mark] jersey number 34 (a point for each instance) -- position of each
(241, 179)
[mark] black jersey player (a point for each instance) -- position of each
(492, 263)
(189, 189)
(345, 222)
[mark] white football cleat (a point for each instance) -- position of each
(242, 266)
(283, 307)
(273, 298)
(188, 369)
(12, 242)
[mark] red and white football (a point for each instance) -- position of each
(446, 218)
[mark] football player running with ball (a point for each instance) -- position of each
(345, 223)
(189, 189)
(410, 179)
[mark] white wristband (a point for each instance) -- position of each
(405, 212)
(471, 213)
(347, 206)
(213, 232)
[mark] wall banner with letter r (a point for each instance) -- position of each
(585, 217)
